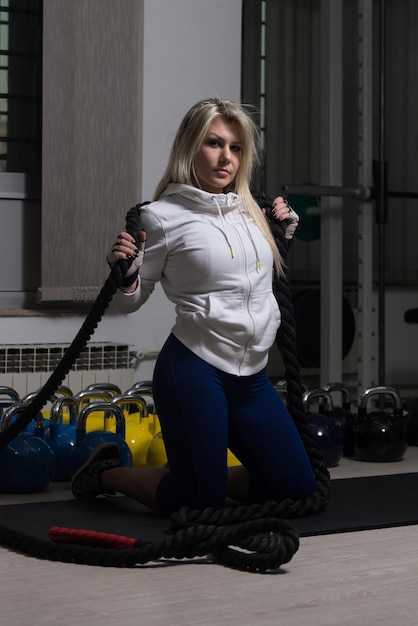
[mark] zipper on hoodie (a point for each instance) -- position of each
(226, 227)
(247, 297)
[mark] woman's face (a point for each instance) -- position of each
(219, 157)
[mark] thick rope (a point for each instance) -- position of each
(78, 344)
(255, 546)
(252, 538)
(286, 343)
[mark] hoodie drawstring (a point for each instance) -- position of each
(257, 257)
(225, 230)
(225, 226)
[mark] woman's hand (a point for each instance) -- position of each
(126, 249)
(282, 211)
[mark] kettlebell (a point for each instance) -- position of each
(380, 436)
(156, 454)
(144, 391)
(109, 387)
(343, 416)
(27, 463)
(62, 436)
(11, 397)
(281, 388)
(27, 399)
(60, 391)
(231, 459)
(86, 397)
(137, 434)
(143, 384)
(63, 390)
(326, 432)
(35, 427)
(86, 442)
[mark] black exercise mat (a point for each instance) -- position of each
(365, 503)
(356, 504)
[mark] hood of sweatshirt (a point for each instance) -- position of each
(195, 198)
(221, 204)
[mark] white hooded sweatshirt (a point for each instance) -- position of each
(217, 267)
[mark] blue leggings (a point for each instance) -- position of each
(203, 411)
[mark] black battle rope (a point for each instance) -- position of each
(252, 538)
(286, 343)
(79, 342)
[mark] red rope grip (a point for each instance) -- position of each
(91, 538)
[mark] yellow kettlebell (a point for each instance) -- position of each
(137, 434)
(95, 418)
(156, 455)
(231, 459)
(144, 391)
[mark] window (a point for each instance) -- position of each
(20, 85)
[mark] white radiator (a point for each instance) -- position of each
(25, 368)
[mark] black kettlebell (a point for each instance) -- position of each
(343, 415)
(326, 431)
(380, 436)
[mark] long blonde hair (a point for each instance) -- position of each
(187, 142)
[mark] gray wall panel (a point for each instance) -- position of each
(92, 114)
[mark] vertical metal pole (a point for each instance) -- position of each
(366, 307)
(381, 196)
(331, 207)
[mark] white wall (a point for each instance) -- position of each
(192, 50)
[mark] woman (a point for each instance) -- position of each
(207, 242)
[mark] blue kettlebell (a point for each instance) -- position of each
(62, 436)
(35, 427)
(46, 422)
(61, 391)
(86, 442)
(380, 436)
(326, 432)
(27, 463)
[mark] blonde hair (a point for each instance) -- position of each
(186, 145)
